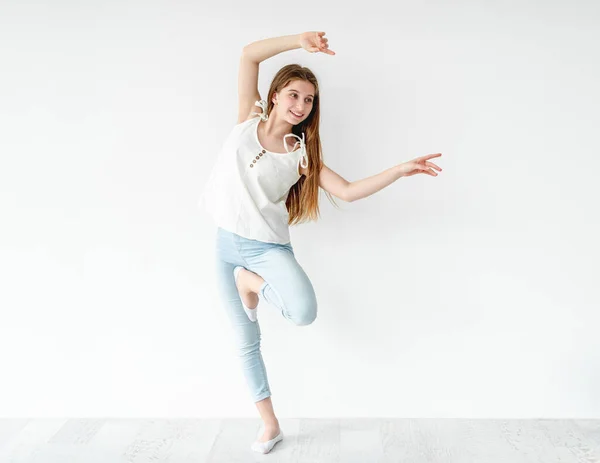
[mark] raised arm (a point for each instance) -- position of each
(252, 55)
(347, 191)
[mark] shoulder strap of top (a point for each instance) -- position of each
(263, 105)
(303, 156)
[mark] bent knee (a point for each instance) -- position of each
(303, 313)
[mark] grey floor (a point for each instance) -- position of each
(306, 440)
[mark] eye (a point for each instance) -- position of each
(294, 95)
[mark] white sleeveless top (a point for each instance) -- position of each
(248, 185)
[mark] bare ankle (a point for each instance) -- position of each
(272, 424)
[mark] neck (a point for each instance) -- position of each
(274, 128)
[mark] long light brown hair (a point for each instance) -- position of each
(303, 198)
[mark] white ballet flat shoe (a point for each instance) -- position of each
(266, 447)
(252, 315)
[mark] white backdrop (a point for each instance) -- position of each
(472, 294)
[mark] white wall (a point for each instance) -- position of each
(473, 294)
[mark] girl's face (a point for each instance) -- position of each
(295, 101)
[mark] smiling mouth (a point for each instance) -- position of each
(296, 115)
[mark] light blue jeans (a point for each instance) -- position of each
(286, 288)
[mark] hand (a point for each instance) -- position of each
(420, 166)
(314, 42)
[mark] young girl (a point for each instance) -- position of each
(266, 178)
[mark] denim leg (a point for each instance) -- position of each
(286, 286)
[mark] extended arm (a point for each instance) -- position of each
(347, 191)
